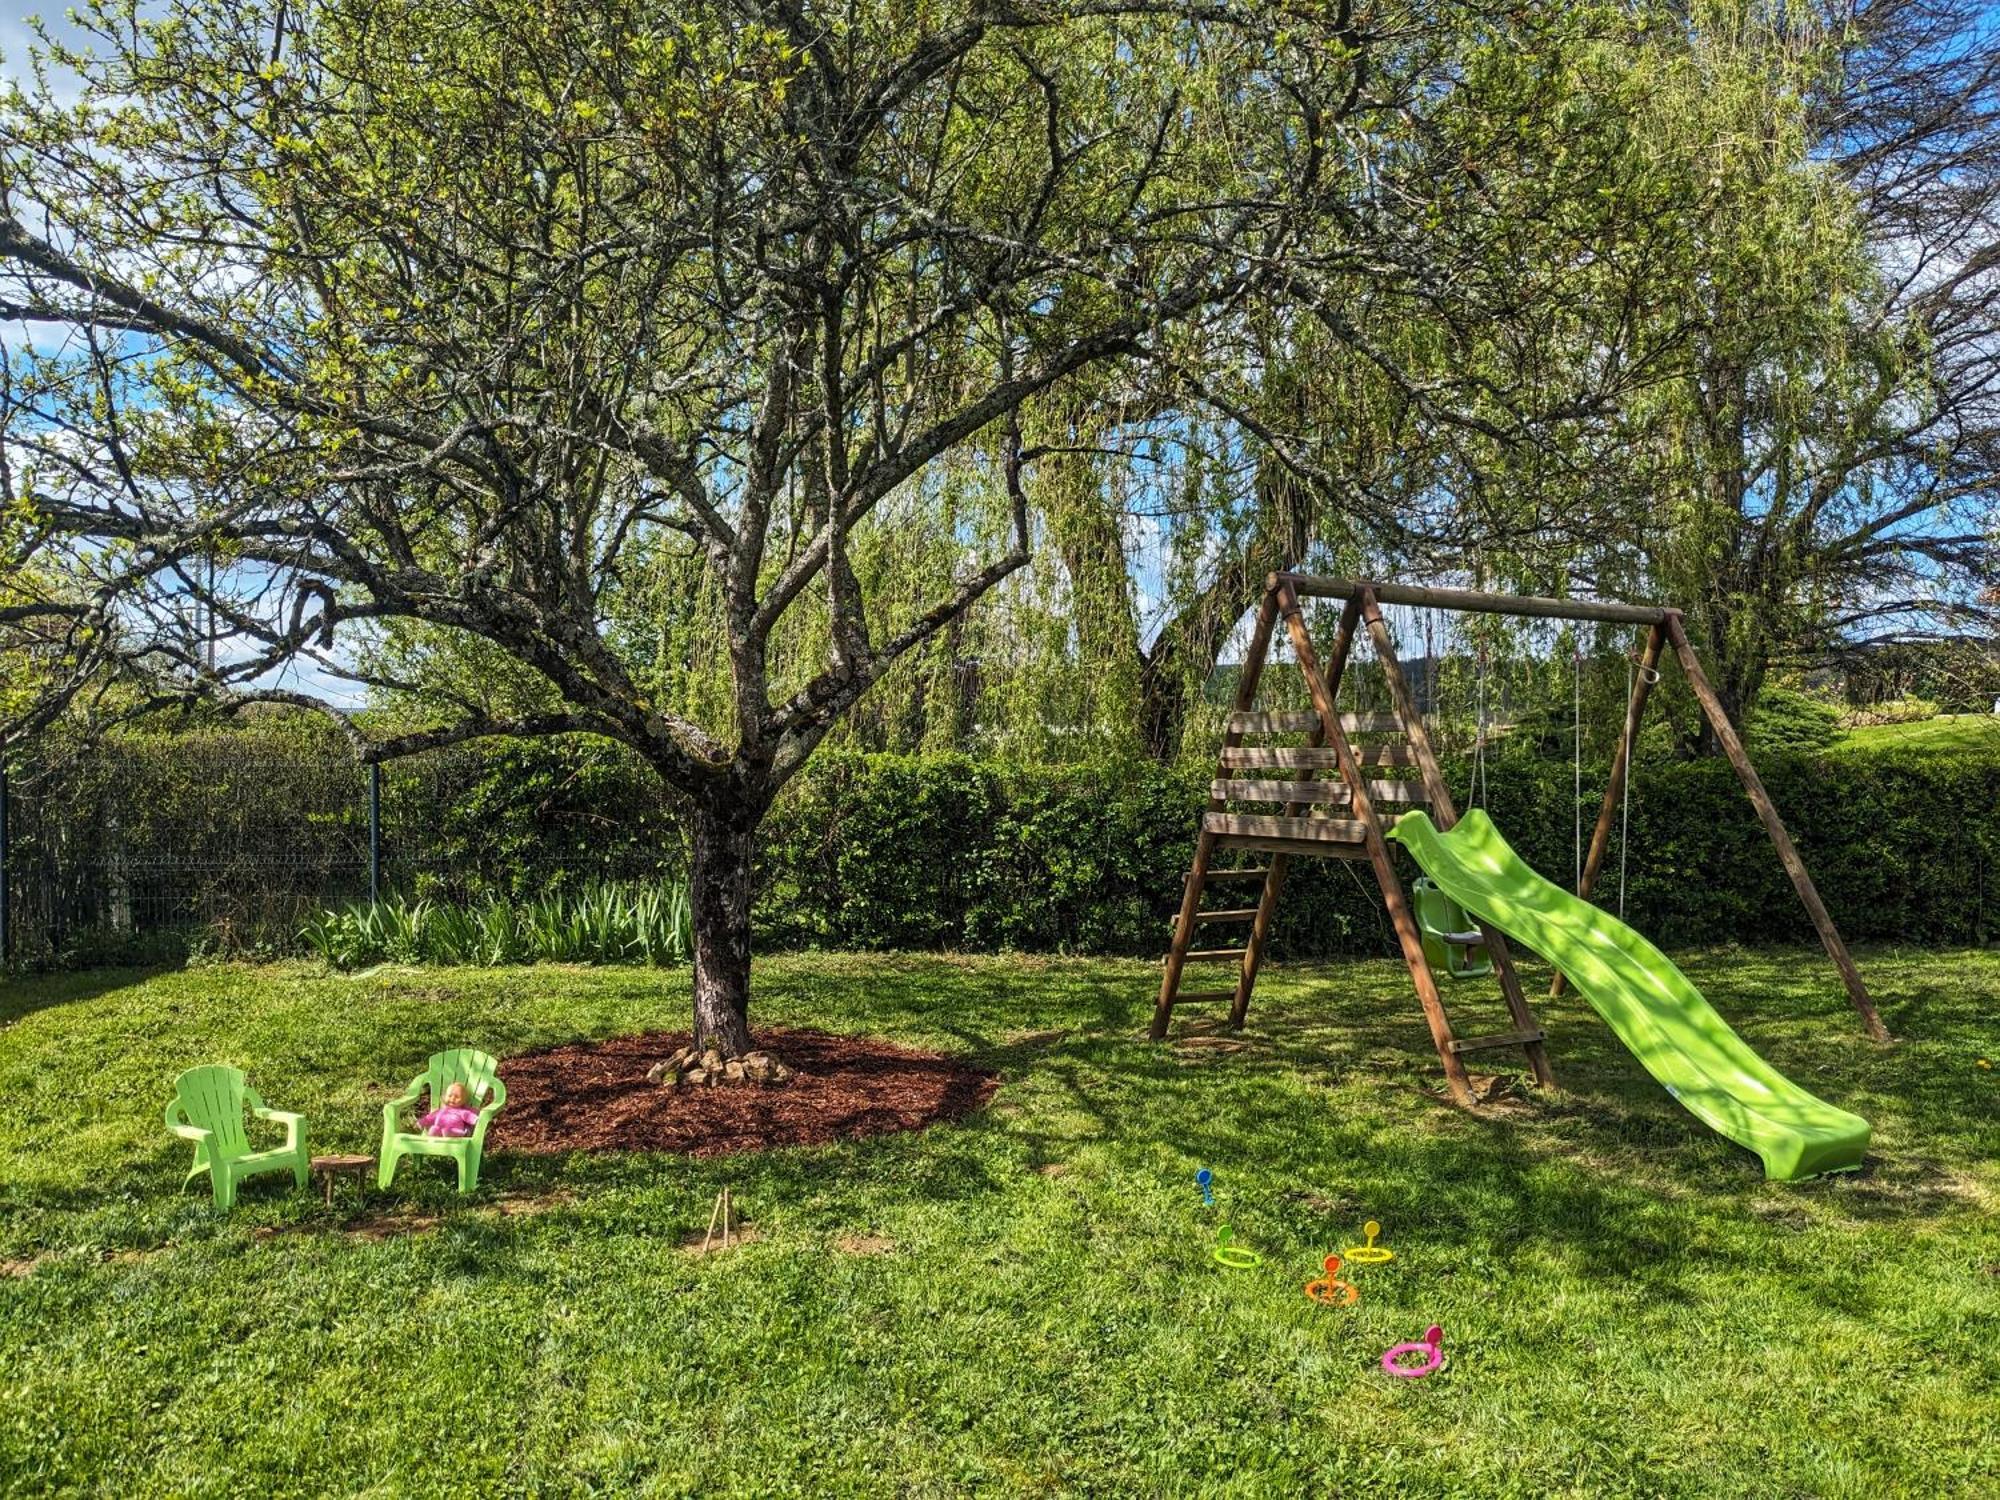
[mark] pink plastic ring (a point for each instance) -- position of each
(1430, 1349)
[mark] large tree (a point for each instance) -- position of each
(473, 317)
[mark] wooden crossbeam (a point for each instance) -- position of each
(1503, 1039)
(1474, 601)
(1315, 830)
(1308, 723)
(1407, 792)
(1315, 757)
(1311, 848)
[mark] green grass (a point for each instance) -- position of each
(1628, 1307)
(1945, 734)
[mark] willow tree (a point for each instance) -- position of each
(1453, 397)
(1817, 466)
(351, 314)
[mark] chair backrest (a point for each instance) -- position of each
(463, 1065)
(212, 1097)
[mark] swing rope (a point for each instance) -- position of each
(1625, 813)
(1479, 735)
(1576, 759)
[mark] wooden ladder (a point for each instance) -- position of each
(1325, 816)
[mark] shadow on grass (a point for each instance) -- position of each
(23, 995)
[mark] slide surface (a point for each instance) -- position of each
(1643, 998)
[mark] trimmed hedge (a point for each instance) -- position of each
(229, 841)
(896, 852)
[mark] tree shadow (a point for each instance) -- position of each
(24, 994)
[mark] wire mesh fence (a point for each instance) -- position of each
(158, 845)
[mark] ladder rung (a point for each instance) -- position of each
(1211, 955)
(1277, 791)
(1256, 874)
(1314, 757)
(1307, 722)
(1309, 848)
(1315, 830)
(1227, 914)
(1505, 1039)
(1203, 997)
(1313, 791)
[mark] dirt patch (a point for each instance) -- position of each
(372, 1227)
(515, 1205)
(702, 1244)
(1208, 1046)
(20, 1267)
(593, 1096)
(865, 1244)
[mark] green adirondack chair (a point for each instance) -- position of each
(207, 1108)
(481, 1076)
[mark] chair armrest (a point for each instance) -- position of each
(485, 1118)
(176, 1122)
(411, 1095)
(292, 1122)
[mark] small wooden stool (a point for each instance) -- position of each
(333, 1167)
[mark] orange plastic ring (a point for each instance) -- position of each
(1341, 1292)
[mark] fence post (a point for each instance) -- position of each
(6, 873)
(374, 831)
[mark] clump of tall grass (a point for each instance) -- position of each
(603, 922)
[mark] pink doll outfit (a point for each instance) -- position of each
(449, 1121)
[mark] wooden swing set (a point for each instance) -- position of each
(1336, 815)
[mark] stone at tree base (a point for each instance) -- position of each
(707, 1068)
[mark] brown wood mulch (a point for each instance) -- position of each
(593, 1096)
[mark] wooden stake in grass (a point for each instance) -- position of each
(721, 1211)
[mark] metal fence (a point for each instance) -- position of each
(149, 845)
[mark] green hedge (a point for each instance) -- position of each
(230, 841)
(894, 852)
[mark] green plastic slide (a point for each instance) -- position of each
(1644, 998)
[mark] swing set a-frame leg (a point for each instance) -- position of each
(1526, 1032)
(1363, 809)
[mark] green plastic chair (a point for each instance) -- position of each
(207, 1108)
(1450, 937)
(481, 1076)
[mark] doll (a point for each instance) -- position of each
(453, 1117)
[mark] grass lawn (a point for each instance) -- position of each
(1944, 735)
(1023, 1303)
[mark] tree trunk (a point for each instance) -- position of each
(719, 894)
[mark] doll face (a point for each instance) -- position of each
(454, 1096)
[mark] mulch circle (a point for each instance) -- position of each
(593, 1096)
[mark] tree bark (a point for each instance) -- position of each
(721, 831)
